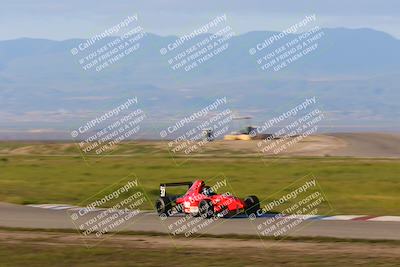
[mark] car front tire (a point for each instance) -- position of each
(252, 205)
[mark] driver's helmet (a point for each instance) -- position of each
(207, 191)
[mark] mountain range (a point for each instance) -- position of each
(354, 74)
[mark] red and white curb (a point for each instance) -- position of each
(53, 206)
(72, 208)
(358, 218)
(303, 217)
(62, 207)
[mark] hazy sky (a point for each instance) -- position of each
(63, 19)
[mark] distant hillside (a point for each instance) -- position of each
(354, 73)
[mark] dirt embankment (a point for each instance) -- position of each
(336, 144)
(163, 242)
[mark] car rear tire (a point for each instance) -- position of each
(252, 205)
(163, 206)
(206, 209)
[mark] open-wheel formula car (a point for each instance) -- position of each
(201, 200)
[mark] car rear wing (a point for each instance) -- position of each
(163, 187)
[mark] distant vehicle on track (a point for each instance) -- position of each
(246, 132)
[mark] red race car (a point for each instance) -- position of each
(201, 200)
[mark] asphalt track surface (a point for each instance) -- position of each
(368, 145)
(12, 215)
